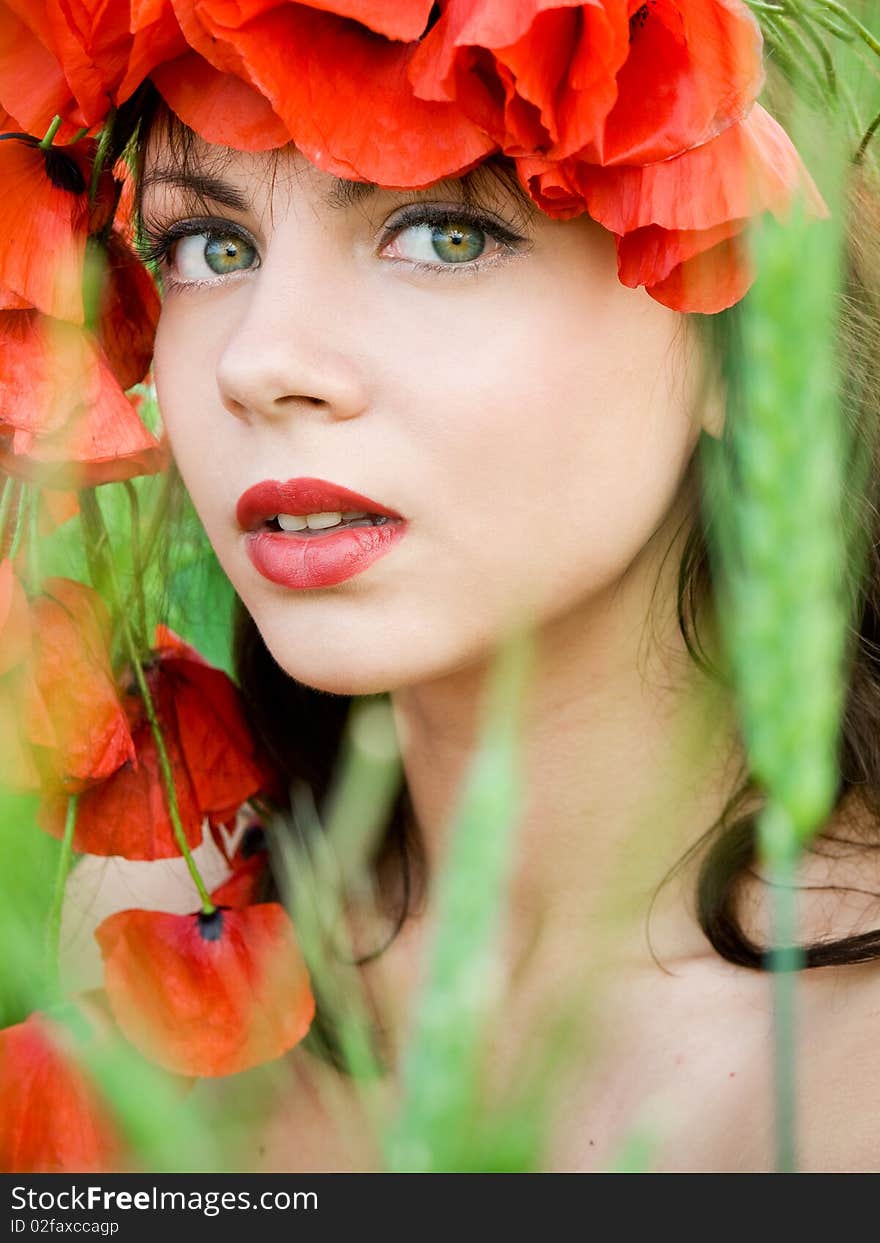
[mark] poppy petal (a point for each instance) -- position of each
(694, 68)
(219, 107)
(709, 282)
(207, 996)
(72, 670)
(129, 313)
(127, 814)
(33, 87)
(538, 76)
(53, 1120)
(317, 70)
(752, 167)
(243, 887)
(39, 217)
(395, 19)
(66, 422)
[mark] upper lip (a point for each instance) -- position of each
(263, 501)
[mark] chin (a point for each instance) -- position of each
(335, 673)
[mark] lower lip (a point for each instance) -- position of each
(309, 561)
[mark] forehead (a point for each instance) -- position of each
(177, 159)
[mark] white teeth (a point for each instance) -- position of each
(317, 522)
(290, 522)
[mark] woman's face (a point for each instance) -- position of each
(475, 367)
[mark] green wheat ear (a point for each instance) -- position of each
(775, 492)
(785, 558)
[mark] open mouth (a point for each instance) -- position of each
(297, 525)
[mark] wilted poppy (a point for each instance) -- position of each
(71, 663)
(64, 419)
(53, 1119)
(207, 995)
(61, 723)
(213, 758)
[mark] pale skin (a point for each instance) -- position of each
(533, 421)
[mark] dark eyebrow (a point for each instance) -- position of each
(342, 194)
(199, 184)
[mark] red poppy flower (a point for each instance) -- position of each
(694, 68)
(77, 61)
(614, 80)
(221, 108)
(71, 660)
(668, 216)
(207, 995)
(540, 77)
(44, 222)
(53, 1118)
(64, 420)
(129, 312)
(316, 70)
(33, 88)
(212, 755)
(61, 723)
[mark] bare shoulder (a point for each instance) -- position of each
(839, 1070)
(98, 886)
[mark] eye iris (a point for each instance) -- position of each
(227, 253)
(457, 243)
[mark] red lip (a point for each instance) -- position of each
(264, 500)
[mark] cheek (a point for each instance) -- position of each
(564, 440)
(184, 370)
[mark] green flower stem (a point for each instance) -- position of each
(53, 923)
(18, 530)
(167, 776)
(33, 543)
(101, 154)
(95, 523)
(5, 502)
(137, 558)
(50, 133)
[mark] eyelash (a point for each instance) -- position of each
(156, 243)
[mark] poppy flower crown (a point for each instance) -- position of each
(642, 115)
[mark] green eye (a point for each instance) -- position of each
(228, 253)
(457, 242)
(196, 256)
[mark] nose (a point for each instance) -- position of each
(289, 351)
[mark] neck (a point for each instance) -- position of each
(627, 756)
